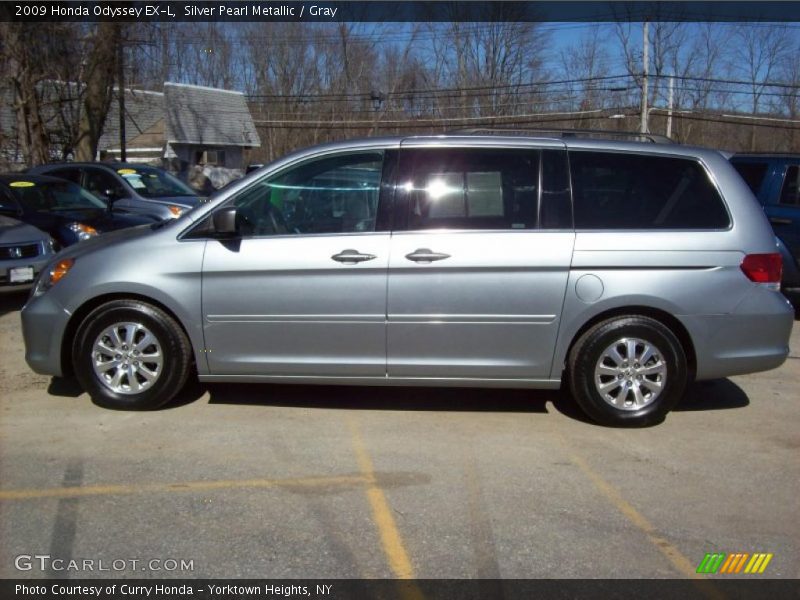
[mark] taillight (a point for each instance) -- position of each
(764, 268)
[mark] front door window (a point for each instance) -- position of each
(337, 194)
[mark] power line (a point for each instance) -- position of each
(458, 90)
(402, 125)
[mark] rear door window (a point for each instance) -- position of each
(635, 191)
(467, 188)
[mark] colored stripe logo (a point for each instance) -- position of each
(735, 563)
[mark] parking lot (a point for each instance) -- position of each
(320, 482)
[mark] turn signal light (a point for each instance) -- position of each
(61, 268)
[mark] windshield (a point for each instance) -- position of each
(154, 183)
(54, 196)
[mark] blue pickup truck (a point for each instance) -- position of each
(775, 181)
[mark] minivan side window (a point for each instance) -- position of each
(634, 191)
(467, 188)
(790, 192)
(334, 194)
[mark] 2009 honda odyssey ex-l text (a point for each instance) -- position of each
(622, 269)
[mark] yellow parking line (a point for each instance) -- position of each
(187, 486)
(382, 516)
(678, 560)
(675, 556)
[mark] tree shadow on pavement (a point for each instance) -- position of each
(12, 301)
(383, 398)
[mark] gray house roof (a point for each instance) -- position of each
(208, 116)
(143, 109)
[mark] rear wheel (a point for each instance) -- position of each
(131, 355)
(627, 371)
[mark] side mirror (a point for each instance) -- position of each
(109, 196)
(224, 221)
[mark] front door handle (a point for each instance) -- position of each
(352, 257)
(780, 221)
(425, 256)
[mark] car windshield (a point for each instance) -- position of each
(154, 183)
(54, 196)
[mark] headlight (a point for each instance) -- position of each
(176, 211)
(84, 231)
(53, 275)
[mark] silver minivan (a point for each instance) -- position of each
(623, 270)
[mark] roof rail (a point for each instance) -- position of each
(567, 133)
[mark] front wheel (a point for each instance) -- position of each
(627, 371)
(130, 355)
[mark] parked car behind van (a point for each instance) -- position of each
(131, 187)
(622, 270)
(775, 181)
(24, 251)
(66, 211)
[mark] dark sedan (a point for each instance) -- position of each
(136, 188)
(64, 210)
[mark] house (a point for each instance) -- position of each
(144, 128)
(197, 125)
(182, 126)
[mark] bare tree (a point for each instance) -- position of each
(98, 79)
(27, 48)
(760, 50)
(789, 102)
(586, 64)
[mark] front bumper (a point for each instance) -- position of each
(44, 322)
(38, 263)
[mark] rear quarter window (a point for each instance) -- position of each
(632, 191)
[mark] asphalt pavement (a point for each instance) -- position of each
(361, 482)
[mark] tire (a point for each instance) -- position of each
(613, 391)
(119, 375)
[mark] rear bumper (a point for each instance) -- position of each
(43, 324)
(755, 337)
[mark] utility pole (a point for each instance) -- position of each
(121, 96)
(646, 61)
(669, 105)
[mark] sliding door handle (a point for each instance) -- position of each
(424, 256)
(352, 257)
